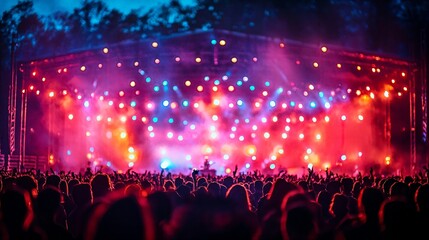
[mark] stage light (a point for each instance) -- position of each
(192, 126)
(109, 119)
(301, 118)
(149, 106)
(264, 119)
(215, 118)
(165, 103)
(387, 160)
(287, 128)
(232, 135)
(222, 42)
(51, 94)
(272, 166)
(144, 119)
(360, 117)
(343, 157)
(130, 164)
(292, 104)
(132, 84)
(300, 106)
(315, 64)
(405, 89)
(173, 105)
(231, 105)
(196, 105)
(254, 59)
(324, 49)
(152, 134)
(310, 166)
(314, 119)
(43, 79)
(403, 74)
(180, 138)
(305, 93)
(343, 117)
(131, 156)
(327, 105)
(123, 119)
(358, 68)
(272, 103)
(247, 165)
(264, 93)
(252, 88)
(224, 77)
(360, 154)
(171, 120)
(121, 105)
(150, 128)
(105, 50)
(266, 135)
(119, 65)
(157, 61)
(98, 118)
(154, 44)
(339, 65)
(170, 135)
(231, 88)
(155, 119)
(165, 164)
(136, 64)
(301, 136)
(213, 42)
(134, 117)
(200, 88)
(185, 103)
(309, 151)
(282, 45)
(275, 119)
(284, 135)
(87, 133)
(70, 116)
(198, 60)
(273, 157)
(371, 95)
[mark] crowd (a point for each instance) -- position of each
(131, 205)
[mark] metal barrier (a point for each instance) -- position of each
(36, 162)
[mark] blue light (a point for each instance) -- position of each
(165, 83)
(133, 103)
(206, 78)
(106, 93)
(109, 164)
(185, 122)
(331, 98)
(239, 83)
(68, 152)
(292, 104)
(185, 103)
(313, 104)
(148, 79)
(170, 120)
(155, 119)
(175, 88)
(267, 83)
(237, 121)
(165, 164)
(252, 88)
(216, 82)
(91, 149)
(247, 165)
(156, 88)
(141, 71)
(134, 117)
(272, 103)
(279, 90)
(86, 104)
(213, 42)
(321, 94)
(246, 120)
(239, 102)
(165, 103)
